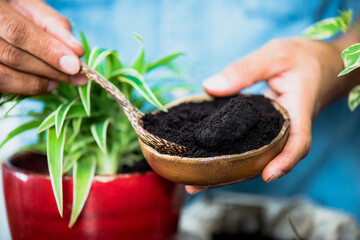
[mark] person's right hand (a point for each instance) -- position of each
(302, 77)
(37, 48)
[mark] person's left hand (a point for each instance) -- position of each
(298, 72)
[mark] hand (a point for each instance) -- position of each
(298, 72)
(37, 48)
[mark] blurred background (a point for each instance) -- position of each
(213, 33)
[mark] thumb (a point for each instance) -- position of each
(265, 63)
(50, 20)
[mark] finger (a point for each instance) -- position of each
(50, 20)
(260, 65)
(22, 33)
(270, 93)
(12, 81)
(25, 62)
(194, 190)
(296, 148)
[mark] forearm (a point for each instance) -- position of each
(336, 87)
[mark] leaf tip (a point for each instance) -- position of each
(138, 37)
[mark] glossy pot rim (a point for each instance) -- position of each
(8, 164)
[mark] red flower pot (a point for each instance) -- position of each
(124, 206)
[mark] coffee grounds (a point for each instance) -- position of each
(193, 125)
(232, 121)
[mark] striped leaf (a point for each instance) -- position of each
(163, 61)
(354, 98)
(84, 92)
(351, 58)
(75, 111)
(139, 63)
(55, 151)
(76, 124)
(329, 27)
(86, 47)
(22, 128)
(60, 116)
(135, 79)
(83, 173)
(70, 159)
(101, 57)
(98, 131)
(48, 122)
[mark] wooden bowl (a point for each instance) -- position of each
(219, 170)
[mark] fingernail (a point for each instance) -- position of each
(275, 176)
(52, 85)
(70, 64)
(216, 83)
(78, 79)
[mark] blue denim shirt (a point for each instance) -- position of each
(214, 33)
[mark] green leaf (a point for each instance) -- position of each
(83, 143)
(11, 98)
(347, 70)
(70, 159)
(7, 98)
(23, 128)
(324, 29)
(75, 111)
(60, 116)
(329, 27)
(46, 99)
(76, 123)
(84, 170)
(48, 122)
(139, 63)
(86, 46)
(100, 57)
(163, 61)
(345, 20)
(93, 54)
(76, 126)
(98, 131)
(84, 92)
(55, 150)
(135, 79)
(354, 98)
(39, 147)
(112, 63)
(351, 58)
(115, 61)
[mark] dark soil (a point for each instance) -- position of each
(220, 127)
(141, 166)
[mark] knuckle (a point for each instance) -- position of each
(280, 49)
(52, 22)
(12, 56)
(5, 75)
(15, 31)
(275, 43)
(36, 86)
(49, 50)
(65, 22)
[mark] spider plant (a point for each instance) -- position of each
(83, 130)
(330, 27)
